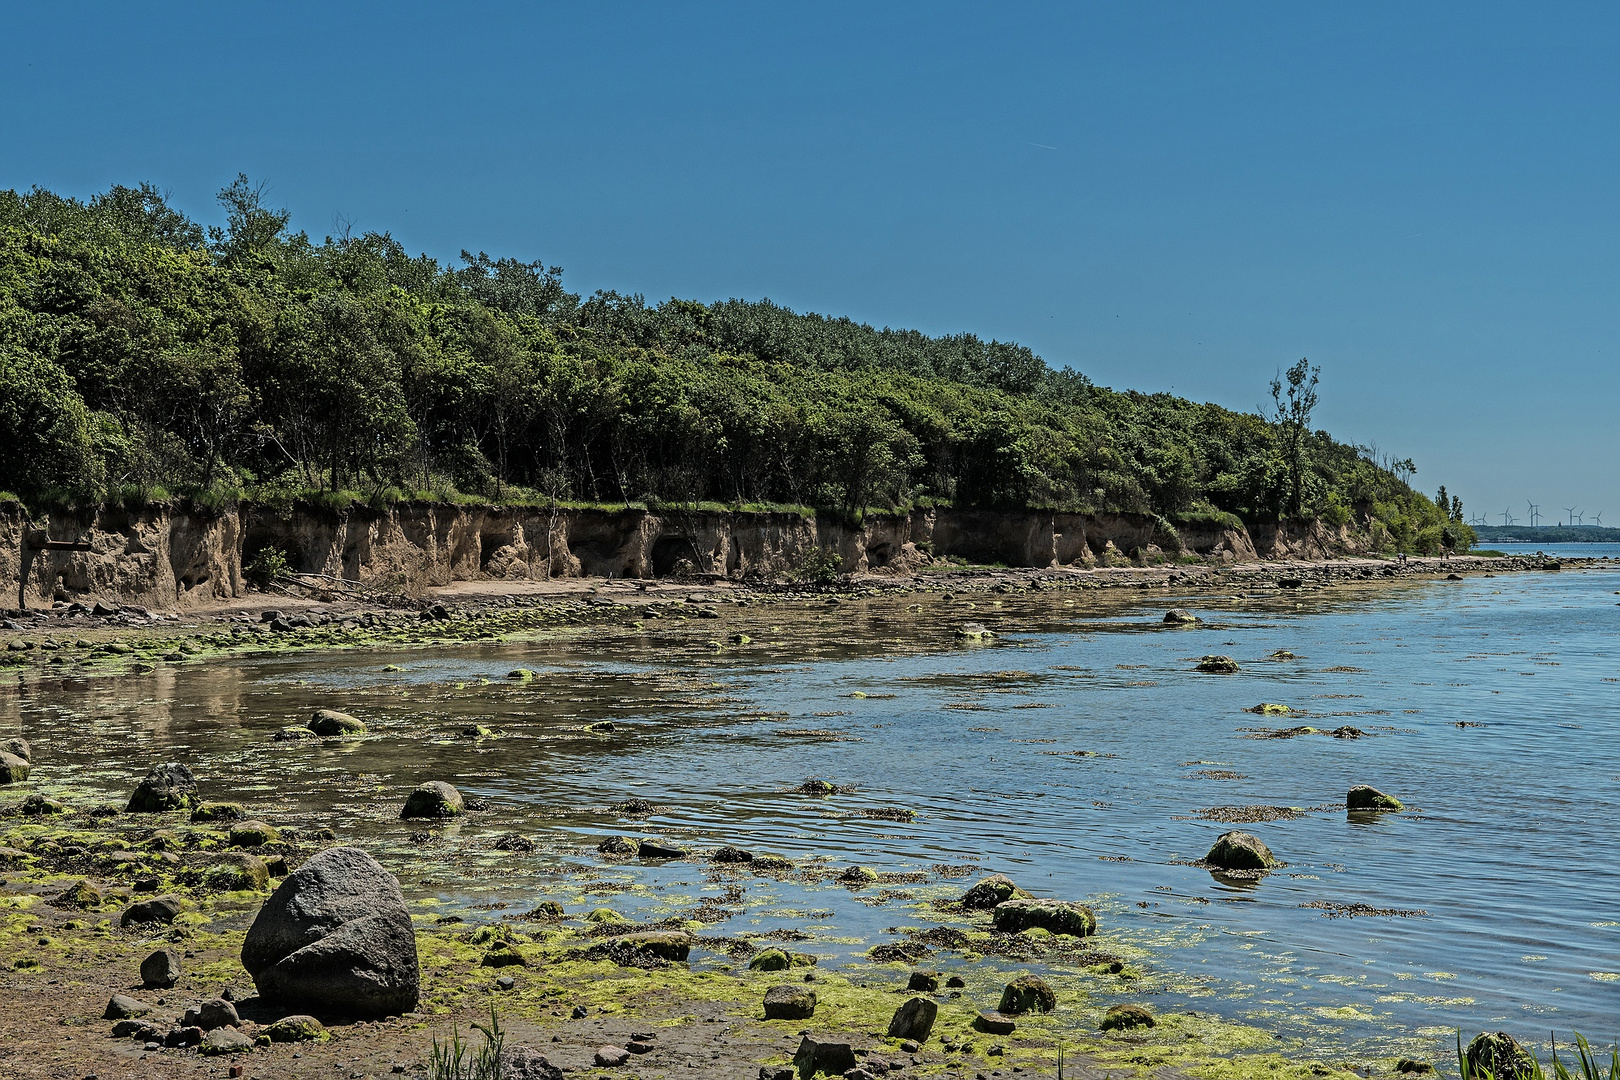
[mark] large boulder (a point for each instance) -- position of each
(1126, 1017)
(330, 722)
(1055, 916)
(434, 799)
(159, 909)
(18, 746)
(161, 970)
(166, 787)
(211, 1014)
(1362, 797)
(790, 1001)
(1501, 1054)
(914, 1020)
(1026, 994)
(1238, 850)
(986, 893)
(335, 937)
(13, 769)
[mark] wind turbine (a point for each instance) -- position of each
(1535, 512)
(1570, 510)
(1507, 517)
(1597, 519)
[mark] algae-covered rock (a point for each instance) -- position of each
(729, 854)
(523, 674)
(504, 954)
(770, 960)
(547, 911)
(914, 1020)
(1239, 850)
(253, 834)
(1057, 916)
(858, 875)
(664, 944)
(1126, 1017)
(434, 799)
(618, 845)
(1217, 665)
(13, 769)
(81, 894)
(1362, 797)
(238, 872)
(790, 1001)
(218, 812)
(294, 733)
(1269, 708)
(166, 787)
(40, 806)
(604, 916)
(1027, 993)
(994, 1023)
(817, 786)
(986, 893)
(298, 1028)
(974, 632)
(330, 722)
(1501, 1054)
(336, 936)
(1180, 617)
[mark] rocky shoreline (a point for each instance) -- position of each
(155, 900)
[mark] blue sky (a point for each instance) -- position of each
(1420, 198)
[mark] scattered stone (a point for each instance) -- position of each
(503, 954)
(730, 854)
(914, 1020)
(183, 1036)
(126, 1008)
(1056, 916)
(923, 982)
(789, 1002)
(253, 834)
(910, 1046)
(218, 812)
(1125, 1017)
(611, 1057)
(1180, 617)
(505, 982)
(1240, 851)
(40, 806)
(139, 1030)
(212, 1014)
(527, 1063)
(161, 970)
(1500, 1054)
(239, 872)
(956, 982)
(81, 894)
(434, 799)
(1362, 797)
(159, 909)
(818, 1055)
(166, 787)
(330, 722)
(336, 935)
(298, 1028)
(513, 842)
(224, 1040)
(986, 893)
(994, 1023)
(618, 845)
(1027, 993)
(1217, 665)
(651, 849)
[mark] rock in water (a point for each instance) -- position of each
(1217, 665)
(166, 787)
(986, 893)
(336, 937)
(1501, 1054)
(914, 1020)
(1056, 916)
(1241, 851)
(434, 799)
(1362, 797)
(161, 970)
(1180, 617)
(330, 722)
(1125, 1017)
(1028, 993)
(790, 1002)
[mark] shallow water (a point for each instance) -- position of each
(1488, 706)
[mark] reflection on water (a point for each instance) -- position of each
(1076, 754)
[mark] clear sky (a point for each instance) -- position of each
(1420, 198)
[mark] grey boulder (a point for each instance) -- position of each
(166, 787)
(208, 1015)
(161, 970)
(335, 937)
(914, 1020)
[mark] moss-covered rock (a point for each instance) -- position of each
(294, 733)
(1362, 797)
(1217, 665)
(664, 944)
(329, 723)
(434, 799)
(503, 954)
(986, 893)
(619, 845)
(164, 788)
(604, 916)
(41, 806)
(238, 872)
(1026, 994)
(253, 834)
(219, 812)
(770, 960)
(858, 876)
(1239, 850)
(81, 894)
(1057, 916)
(13, 769)
(1126, 1017)
(1501, 1054)
(295, 1029)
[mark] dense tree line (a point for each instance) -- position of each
(143, 356)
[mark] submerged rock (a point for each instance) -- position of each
(1217, 665)
(434, 799)
(729, 854)
(294, 733)
(166, 787)
(914, 1020)
(1362, 797)
(790, 1002)
(1239, 850)
(1027, 993)
(330, 722)
(1125, 1017)
(1056, 916)
(652, 849)
(336, 937)
(986, 893)
(974, 632)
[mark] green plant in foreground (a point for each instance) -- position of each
(1528, 1066)
(454, 1059)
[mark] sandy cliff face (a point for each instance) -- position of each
(168, 557)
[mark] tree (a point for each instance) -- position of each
(250, 226)
(1292, 415)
